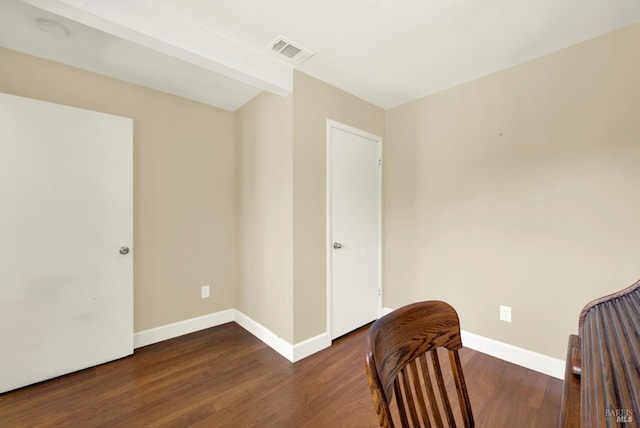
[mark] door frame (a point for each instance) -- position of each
(332, 124)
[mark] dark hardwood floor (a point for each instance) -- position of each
(225, 377)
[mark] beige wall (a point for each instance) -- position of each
(520, 188)
(252, 227)
(184, 227)
(264, 188)
(281, 174)
(314, 102)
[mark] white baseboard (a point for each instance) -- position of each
(385, 311)
(513, 354)
(311, 346)
(291, 352)
(169, 331)
(276, 343)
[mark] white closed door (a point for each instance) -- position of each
(66, 217)
(353, 226)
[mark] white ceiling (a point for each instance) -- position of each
(387, 52)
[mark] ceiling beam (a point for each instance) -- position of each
(140, 22)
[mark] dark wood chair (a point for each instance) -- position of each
(403, 363)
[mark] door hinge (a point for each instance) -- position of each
(379, 162)
(379, 292)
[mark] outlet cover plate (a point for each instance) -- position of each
(505, 313)
(204, 292)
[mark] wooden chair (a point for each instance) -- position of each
(402, 360)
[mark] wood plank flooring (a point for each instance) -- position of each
(225, 377)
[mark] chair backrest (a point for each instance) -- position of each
(402, 361)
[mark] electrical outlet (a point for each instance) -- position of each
(505, 313)
(204, 292)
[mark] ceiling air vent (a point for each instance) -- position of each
(293, 51)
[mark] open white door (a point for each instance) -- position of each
(66, 291)
(353, 227)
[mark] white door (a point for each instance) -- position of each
(66, 298)
(353, 227)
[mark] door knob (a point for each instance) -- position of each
(124, 250)
(337, 245)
